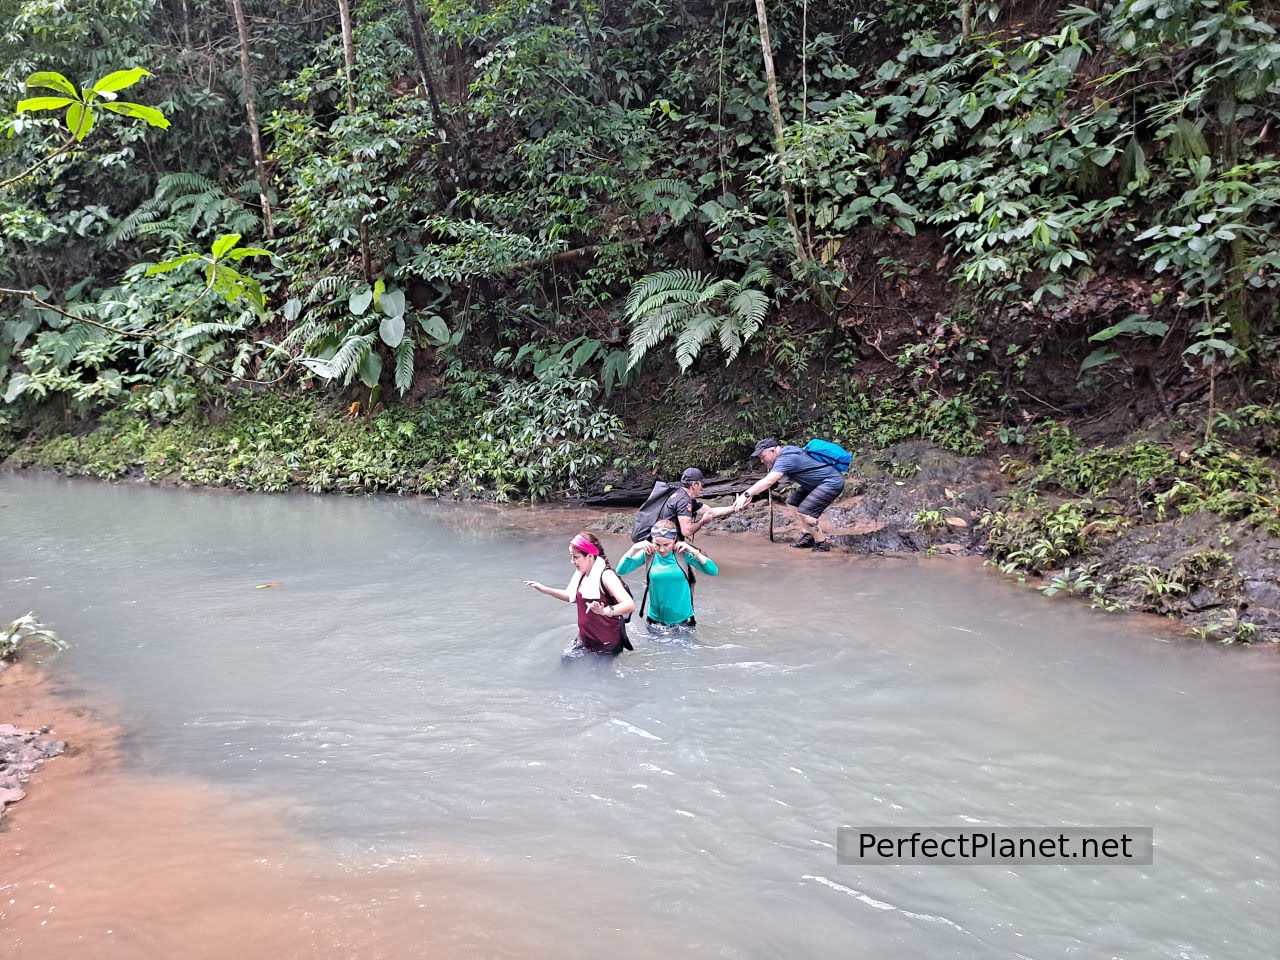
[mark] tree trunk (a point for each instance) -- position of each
(1235, 296)
(251, 110)
(427, 77)
(775, 110)
(349, 64)
(348, 52)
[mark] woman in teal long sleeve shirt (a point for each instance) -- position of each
(670, 594)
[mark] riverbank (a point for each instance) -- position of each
(1158, 519)
(34, 728)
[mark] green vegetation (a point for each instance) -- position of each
(415, 193)
(24, 631)
(269, 442)
(519, 249)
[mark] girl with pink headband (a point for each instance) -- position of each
(599, 594)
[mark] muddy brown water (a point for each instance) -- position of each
(384, 756)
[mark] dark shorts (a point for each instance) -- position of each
(812, 502)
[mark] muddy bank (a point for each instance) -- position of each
(21, 754)
(37, 725)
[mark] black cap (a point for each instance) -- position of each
(768, 443)
(691, 475)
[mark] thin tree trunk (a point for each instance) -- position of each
(1235, 297)
(251, 109)
(349, 64)
(348, 52)
(425, 73)
(427, 76)
(775, 110)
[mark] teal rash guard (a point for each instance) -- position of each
(670, 599)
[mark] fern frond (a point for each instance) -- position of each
(147, 212)
(185, 206)
(345, 362)
(199, 334)
(242, 220)
(182, 183)
(751, 307)
(653, 327)
(693, 306)
(324, 288)
(666, 285)
(404, 365)
(757, 275)
(665, 195)
(692, 337)
(67, 343)
(718, 290)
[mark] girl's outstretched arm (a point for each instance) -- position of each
(549, 591)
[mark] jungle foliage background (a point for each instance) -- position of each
(528, 245)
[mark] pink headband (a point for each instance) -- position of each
(580, 542)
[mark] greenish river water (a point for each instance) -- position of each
(401, 698)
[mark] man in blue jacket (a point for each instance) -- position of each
(819, 485)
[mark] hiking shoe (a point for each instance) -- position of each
(822, 547)
(805, 541)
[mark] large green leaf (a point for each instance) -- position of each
(584, 353)
(391, 329)
(138, 110)
(223, 244)
(392, 303)
(79, 120)
(359, 301)
(120, 79)
(371, 369)
(434, 327)
(164, 266)
(53, 81)
(44, 103)
(17, 387)
(1096, 359)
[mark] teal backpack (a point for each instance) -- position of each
(832, 454)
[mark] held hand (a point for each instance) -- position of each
(648, 548)
(683, 547)
(595, 606)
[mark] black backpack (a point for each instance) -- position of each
(649, 512)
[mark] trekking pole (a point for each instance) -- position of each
(771, 540)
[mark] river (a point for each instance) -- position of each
(348, 732)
